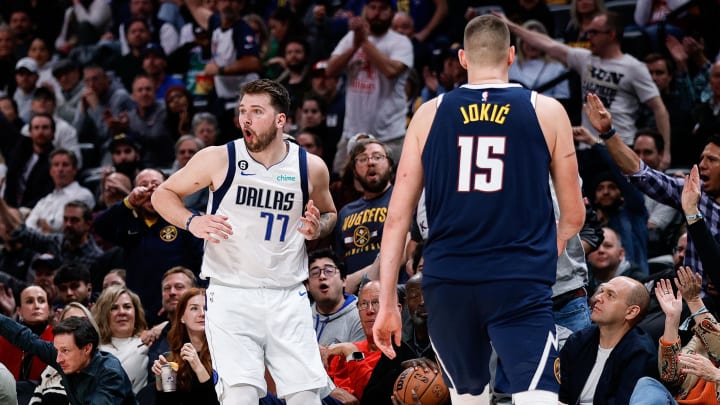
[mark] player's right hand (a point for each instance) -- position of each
(212, 228)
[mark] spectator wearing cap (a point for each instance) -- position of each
(235, 58)
(126, 155)
(26, 79)
(65, 135)
(155, 65)
(146, 123)
(376, 60)
(73, 284)
(73, 244)
(67, 74)
(333, 94)
(28, 178)
(47, 215)
(102, 107)
(138, 39)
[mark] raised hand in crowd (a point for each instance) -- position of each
(7, 301)
(691, 192)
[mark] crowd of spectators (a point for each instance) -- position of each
(100, 100)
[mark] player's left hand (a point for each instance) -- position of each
(310, 223)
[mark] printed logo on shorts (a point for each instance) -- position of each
(556, 369)
(169, 233)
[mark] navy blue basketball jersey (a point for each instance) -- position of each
(489, 210)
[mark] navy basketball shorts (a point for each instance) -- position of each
(514, 316)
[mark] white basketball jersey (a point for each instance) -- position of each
(264, 207)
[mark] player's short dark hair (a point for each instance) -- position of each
(329, 254)
(83, 332)
(279, 97)
(655, 135)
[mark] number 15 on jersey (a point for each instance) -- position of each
(484, 153)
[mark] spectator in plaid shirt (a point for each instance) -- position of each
(661, 187)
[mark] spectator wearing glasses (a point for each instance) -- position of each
(620, 80)
(334, 311)
(350, 365)
(359, 227)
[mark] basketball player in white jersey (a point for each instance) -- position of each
(267, 197)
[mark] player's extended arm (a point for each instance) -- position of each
(662, 120)
(320, 217)
(405, 196)
(197, 174)
(563, 168)
(601, 119)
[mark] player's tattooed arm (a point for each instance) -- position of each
(327, 223)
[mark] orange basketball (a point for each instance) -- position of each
(429, 387)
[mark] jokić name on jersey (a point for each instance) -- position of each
(485, 112)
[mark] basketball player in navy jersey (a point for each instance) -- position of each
(268, 196)
(484, 153)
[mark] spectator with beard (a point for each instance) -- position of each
(126, 155)
(359, 227)
(295, 77)
(73, 245)
(376, 60)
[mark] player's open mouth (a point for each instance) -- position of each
(324, 288)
